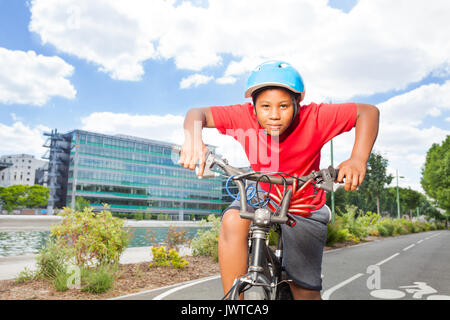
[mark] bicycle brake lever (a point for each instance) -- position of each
(328, 176)
(209, 164)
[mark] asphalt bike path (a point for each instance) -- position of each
(413, 266)
(408, 267)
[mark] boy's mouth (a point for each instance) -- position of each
(274, 127)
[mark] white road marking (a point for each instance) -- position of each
(409, 247)
(387, 294)
(326, 295)
(420, 241)
(386, 260)
(169, 292)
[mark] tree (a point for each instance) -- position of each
(436, 174)
(412, 199)
(13, 197)
(17, 196)
(373, 186)
(81, 203)
(37, 196)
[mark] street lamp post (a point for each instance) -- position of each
(398, 197)
(332, 191)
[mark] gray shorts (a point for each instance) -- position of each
(303, 246)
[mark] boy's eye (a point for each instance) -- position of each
(284, 106)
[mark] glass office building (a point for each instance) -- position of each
(132, 174)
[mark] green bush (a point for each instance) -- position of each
(162, 258)
(206, 241)
(357, 227)
(368, 219)
(386, 227)
(400, 228)
(382, 230)
(52, 260)
(25, 275)
(99, 279)
(60, 281)
(92, 238)
(176, 261)
(335, 234)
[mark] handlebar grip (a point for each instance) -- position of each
(280, 220)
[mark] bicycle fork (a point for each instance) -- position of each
(259, 271)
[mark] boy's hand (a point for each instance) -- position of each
(191, 153)
(353, 170)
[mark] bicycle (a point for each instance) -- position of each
(265, 278)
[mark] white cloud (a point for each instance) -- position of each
(226, 80)
(195, 80)
(371, 49)
(112, 34)
(28, 78)
(403, 135)
(411, 108)
(20, 138)
(165, 128)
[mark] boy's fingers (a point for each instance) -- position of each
(201, 168)
(182, 156)
(348, 181)
(192, 163)
(340, 176)
(355, 182)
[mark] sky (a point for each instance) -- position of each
(136, 67)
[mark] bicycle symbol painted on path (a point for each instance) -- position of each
(419, 290)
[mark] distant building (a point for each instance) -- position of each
(128, 173)
(21, 169)
(4, 165)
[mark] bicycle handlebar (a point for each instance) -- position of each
(324, 180)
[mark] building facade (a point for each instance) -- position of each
(21, 169)
(129, 174)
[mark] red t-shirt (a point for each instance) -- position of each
(297, 150)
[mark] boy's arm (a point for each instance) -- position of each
(193, 149)
(354, 169)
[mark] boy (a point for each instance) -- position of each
(292, 137)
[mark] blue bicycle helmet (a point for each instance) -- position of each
(275, 73)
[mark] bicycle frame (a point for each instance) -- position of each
(265, 267)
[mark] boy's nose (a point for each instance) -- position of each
(275, 113)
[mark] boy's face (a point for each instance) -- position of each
(274, 110)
